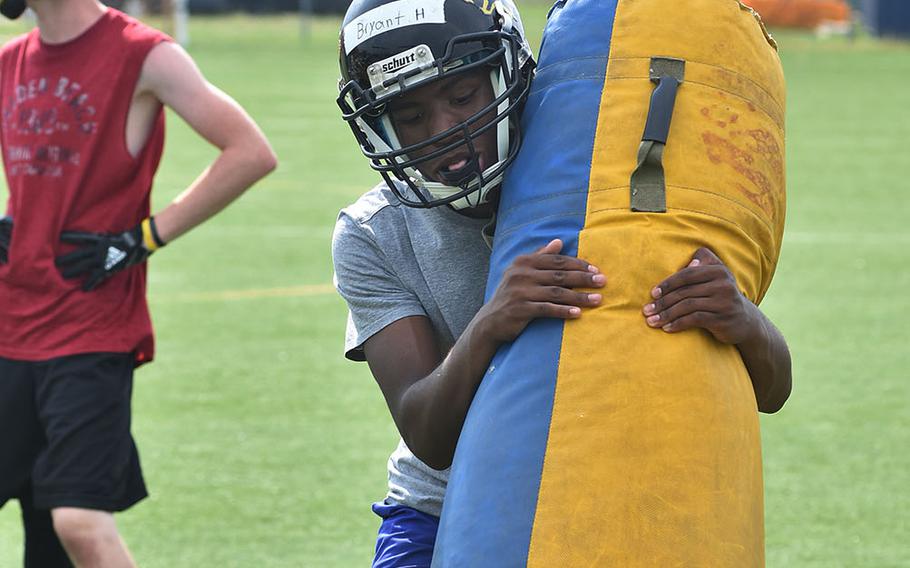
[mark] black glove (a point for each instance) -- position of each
(101, 255)
(6, 235)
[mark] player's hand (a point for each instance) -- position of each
(703, 295)
(101, 255)
(540, 285)
(6, 235)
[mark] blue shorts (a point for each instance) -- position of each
(406, 537)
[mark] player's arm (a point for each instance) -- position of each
(170, 75)
(704, 294)
(429, 394)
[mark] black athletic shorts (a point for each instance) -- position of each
(65, 433)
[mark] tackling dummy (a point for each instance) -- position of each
(653, 127)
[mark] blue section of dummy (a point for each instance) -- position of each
(490, 503)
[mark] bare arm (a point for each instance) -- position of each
(704, 294)
(171, 76)
(767, 359)
(428, 394)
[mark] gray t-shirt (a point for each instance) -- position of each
(392, 262)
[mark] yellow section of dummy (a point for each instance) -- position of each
(654, 452)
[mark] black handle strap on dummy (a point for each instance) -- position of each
(648, 188)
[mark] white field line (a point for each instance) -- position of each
(845, 238)
(309, 290)
(253, 294)
(280, 231)
(796, 237)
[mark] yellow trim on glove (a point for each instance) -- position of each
(148, 238)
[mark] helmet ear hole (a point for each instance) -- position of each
(12, 9)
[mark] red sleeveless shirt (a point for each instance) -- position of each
(64, 111)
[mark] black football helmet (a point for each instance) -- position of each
(391, 47)
(12, 9)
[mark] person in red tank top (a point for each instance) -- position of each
(82, 99)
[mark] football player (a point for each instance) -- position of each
(433, 92)
(82, 135)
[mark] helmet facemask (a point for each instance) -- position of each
(496, 53)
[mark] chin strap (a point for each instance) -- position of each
(12, 9)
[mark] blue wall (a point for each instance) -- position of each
(887, 17)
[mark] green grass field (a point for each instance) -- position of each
(263, 447)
